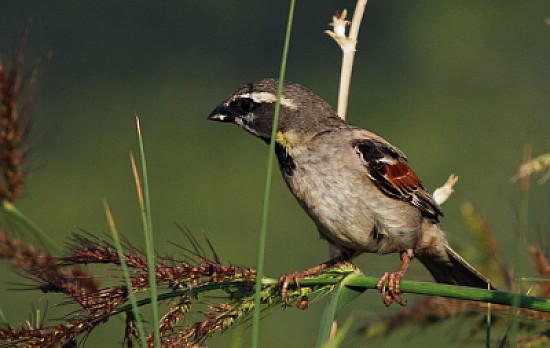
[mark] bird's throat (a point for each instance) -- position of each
(286, 163)
(284, 140)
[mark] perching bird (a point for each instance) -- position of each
(356, 186)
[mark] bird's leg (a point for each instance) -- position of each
(393, 291)
(285, 279)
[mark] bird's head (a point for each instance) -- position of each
(252, 107)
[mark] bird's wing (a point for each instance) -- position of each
(388, 169)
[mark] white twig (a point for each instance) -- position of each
(443, 193)
(347, 44)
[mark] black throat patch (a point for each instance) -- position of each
(286, 163)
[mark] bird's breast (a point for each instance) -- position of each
(333, 187)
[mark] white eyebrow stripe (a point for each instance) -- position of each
(266, 97)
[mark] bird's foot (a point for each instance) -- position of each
(392, 292)
(286, 279)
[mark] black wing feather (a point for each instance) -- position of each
(389, 171)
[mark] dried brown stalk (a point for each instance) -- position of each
(15, 122)
(66, 275)
(493, 263)
(543, 267)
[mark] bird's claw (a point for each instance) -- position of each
(297, 277)
(392, 292)
(285, 280)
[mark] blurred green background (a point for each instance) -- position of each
(460, 86)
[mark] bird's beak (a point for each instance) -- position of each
(222, 114)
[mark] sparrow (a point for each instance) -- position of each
(356, 187)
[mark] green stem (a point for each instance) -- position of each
(362, 283)
(489, 322)
(3, 320)
(126, 274)
(457, 292)
(267, 190)
(145, 206)
(518, 255)
(42, 237)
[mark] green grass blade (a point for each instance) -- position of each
(340, 335)
(145, 207)
(328, 317)
(534, 279)
(519, 250)
(3, 320)
(42, 237)
(267, 190)
(126, 274)
(341, 296)
(489, 327)
(237, 337)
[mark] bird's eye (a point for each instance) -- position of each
(243, 105)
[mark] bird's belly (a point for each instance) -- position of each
(350, 213)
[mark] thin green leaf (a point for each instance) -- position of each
(489, 327)
(267, 190)
(534, 280)
(341, 296)
(237, 337)
(3, 319)
(339, 338)
(145, 208)
(126, 273)
(520, 248)
(42, 237)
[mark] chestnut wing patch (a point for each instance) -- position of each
(389, 171)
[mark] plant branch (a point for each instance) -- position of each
(347, 44)
(363, 283)
(457, 292)
(183, 282)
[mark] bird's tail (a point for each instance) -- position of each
(458, 271)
